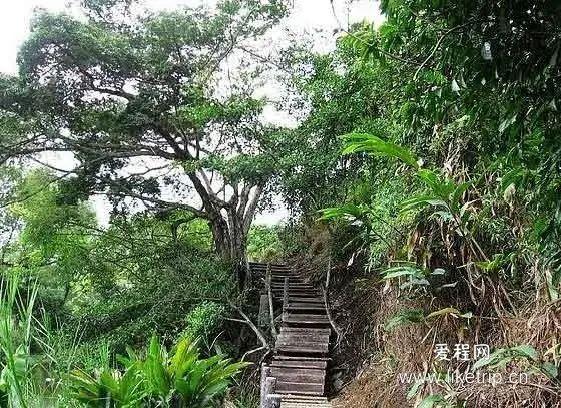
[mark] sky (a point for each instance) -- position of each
(316, 17)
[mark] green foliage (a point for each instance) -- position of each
(404, 317)
(264, 244)
(449, 116)
(16, 332)
(203, 321)
(444, 194)
(141, 87)
(158, 379)
(110, 389)
(53, 232)
(362, 142)
(500, 358)
(433, 401)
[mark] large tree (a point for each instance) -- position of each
(141, 102)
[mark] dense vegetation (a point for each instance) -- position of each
(425, 172)
(447, 191)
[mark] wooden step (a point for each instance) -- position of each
(301, 375)
(310, 334)
(293, 286)
(304, 404)
(297, 388)
(309, 350)
(306, 319)
(305, 299)
(300, 358)
(299, 330)
(302, 363)
(304, 401)
(298, 294)
(264, 265)
(304, 338)
(296, 288)
(306, 307)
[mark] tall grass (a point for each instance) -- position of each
(32, 374)
(16, 333)
(38, 365)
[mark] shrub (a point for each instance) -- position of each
(177, 379)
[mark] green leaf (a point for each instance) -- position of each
(445, 311)
(431, 401)
(422, 201)
(458, 193)
(550, 370)
(365, 142)
(429, 177)
(525, 351)
(505, 124)
(404, 317)
(399, 271)
(414, 388)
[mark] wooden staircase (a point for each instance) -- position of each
(297, 372)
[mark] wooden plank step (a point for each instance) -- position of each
(318, 364)
(294, 294)
(277, 274)
(302, 339)
(293, 286)
(307, 309)
(270, 263)
(313, 373)
(304, 401)
(289, 397)
(296, 288)
(280, 280)
(316, 304)
(285, 387)
(310, 311)
(305, 336)
(304, 305)
(319, 349)
(299, 338)
(305, 330)
(305, 299)
(305, 404)
(300, 358)
(306, 319)
(309, 342)
(302, 375)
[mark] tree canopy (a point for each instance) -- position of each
(135, 100)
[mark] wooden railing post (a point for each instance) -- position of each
(285, 298)
(272, 400)
(265, 372)
(268, 284)
(268, 384)
(263, 320)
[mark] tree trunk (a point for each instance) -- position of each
(230, 242)
(230, 222)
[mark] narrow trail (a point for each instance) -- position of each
(296, 374)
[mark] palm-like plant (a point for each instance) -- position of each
(442, 194)
(110, 389)
(177, 379)
(183, 378)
